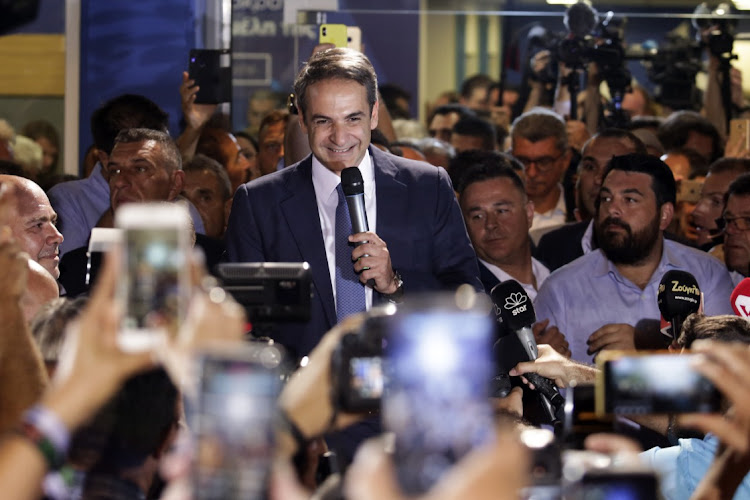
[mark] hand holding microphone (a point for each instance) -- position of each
(371, 258)
(516, 313)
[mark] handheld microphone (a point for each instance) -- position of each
(581, 19)
(354, 190)
(678, 297)
(516, 313)
(741, 299)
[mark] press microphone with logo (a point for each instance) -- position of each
(741, 299)
(678, 297)
(515, 311)
(354, 190)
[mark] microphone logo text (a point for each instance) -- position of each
(516, 303)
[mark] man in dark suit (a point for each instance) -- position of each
(417, 239)
(565, 244)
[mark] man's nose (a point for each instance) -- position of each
(54, 236)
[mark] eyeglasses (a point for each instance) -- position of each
(739, 223)
(543, 163)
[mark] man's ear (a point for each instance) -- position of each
(666, 212)
(374, 115)
(103, 160)
(178, 183)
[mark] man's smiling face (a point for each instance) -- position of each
(338, 122)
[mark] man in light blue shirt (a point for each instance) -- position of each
(602, 298)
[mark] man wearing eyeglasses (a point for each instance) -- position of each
(607, 299)
(539, 141)
(736, 225)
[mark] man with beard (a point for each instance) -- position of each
(601, 299)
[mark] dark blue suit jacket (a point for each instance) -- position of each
(275, 219)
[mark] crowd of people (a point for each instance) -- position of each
(586, 218)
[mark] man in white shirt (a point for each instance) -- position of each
(498, 215)
(540, 142)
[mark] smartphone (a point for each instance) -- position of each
(652, 383)
(438, 368)
(739, 134)
(153, 288)
(689, 191)
(354, 38)
(357, 373)
(232, 422)
(333, 33)
(212, 71)
(612, 484)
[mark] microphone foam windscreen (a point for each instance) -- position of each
(679, 295)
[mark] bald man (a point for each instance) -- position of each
(32, 221)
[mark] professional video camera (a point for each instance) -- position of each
(720, 36)
(672, 67)
(589, 40)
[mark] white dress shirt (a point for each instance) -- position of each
(538, 269)
(325, 183)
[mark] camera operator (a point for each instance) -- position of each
(722, 99)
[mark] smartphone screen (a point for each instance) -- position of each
(655, 383)
(154, 287)
(618, 486)
(233, 428)
(439, 366)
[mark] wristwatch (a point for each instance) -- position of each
(398, 296)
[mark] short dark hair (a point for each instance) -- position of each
(739, 187)
(473, 166)
(479, 81)
(272, 118)
(662, 179)
(618, 133)
(132, 425)
(453, 107)
(337, 63)
(724, 328)
(740, 165)
(698, 164)
(204, 163)
(124, 112)
(538, 124)
(473, 126)
(42, 128)
(169, 151)
(209, 144)
(673, 132)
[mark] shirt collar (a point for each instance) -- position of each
(326, 182)
(669, 260)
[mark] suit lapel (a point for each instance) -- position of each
(391, 196)
(300, 210)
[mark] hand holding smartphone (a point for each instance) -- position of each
(652, 383)
(153, 288)
(233, 421)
